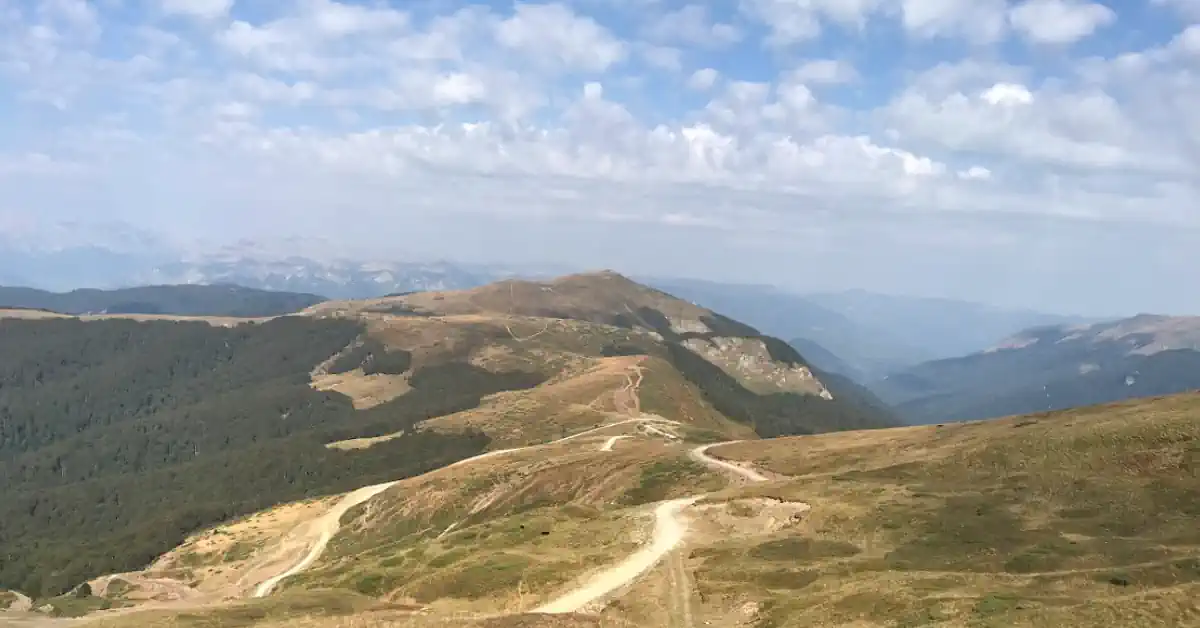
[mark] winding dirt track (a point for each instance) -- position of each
(700, 454)
(325, 527)
(669, 531)
(670, 528)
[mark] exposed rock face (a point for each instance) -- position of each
(686, 325)
(749, 362)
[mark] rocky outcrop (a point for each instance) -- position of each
(750, 362)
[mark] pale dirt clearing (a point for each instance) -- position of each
(20, 602)
(365, 391)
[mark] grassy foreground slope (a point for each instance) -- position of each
(1087, 517)
(1077, 518)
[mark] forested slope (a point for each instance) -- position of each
(123, 434)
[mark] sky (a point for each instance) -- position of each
(1042, 153)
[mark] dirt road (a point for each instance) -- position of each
(325, 528)
(700, 454)
(322, 530)
(669, 531)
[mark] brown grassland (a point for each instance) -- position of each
(1088, 517)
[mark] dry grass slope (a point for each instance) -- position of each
(506, 534)
(1088, 517)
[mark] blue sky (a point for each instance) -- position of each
(1042, 153)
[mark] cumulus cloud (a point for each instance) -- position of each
(692, 24)
(826, 71)
(205, 9)
(703, 79)
(554, 33)
(1060, 21)
(1187, 8)
(977, 21)
(704, 125)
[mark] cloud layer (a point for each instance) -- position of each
(1043, 152)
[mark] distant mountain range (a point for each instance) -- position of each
(67, 256)
(340, 279)
(1050, 368)
(185, 300)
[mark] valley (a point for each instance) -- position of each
(1052, 368)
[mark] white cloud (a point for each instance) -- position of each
(205, 9)
(663, 57)
(978, 173)
(703, 79)
(979, 21)
(692, 24)
(1187, 42)
(1187, 8)
(592, 114)
(826, 71)
(554, 33)
(1059, 21)
(1007, 94)
(304, 42)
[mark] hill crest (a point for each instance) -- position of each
(606, 298)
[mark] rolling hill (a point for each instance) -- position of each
(1053, 367)
(175, 300)
(129, 434)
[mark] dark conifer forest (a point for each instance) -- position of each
(118, 438)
